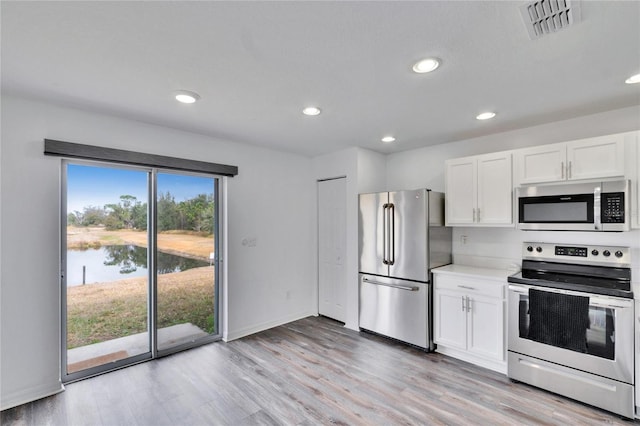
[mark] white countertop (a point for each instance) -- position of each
(474, 271)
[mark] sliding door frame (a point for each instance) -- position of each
(214, 337)
(152, 291)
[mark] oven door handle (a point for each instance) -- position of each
(594, 300)
(607, 305)
(518, 289)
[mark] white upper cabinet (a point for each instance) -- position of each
(593, 158)
(461, 195)
(633, 172)
(479, 190)
(596, 158)
(539, 164)
(495, 189)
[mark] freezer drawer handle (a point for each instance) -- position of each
(398, 286)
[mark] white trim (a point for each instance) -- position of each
(31, 394)
(223, 289)
(233, 335)
(495, 365)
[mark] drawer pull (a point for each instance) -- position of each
(467, 287)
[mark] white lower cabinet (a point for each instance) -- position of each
(469, 315)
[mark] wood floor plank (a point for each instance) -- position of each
(309, 372)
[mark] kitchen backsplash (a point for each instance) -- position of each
(501, 248)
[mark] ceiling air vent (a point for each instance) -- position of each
(548, 16)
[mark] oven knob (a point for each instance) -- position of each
(595, 252)
(539, 249)
(529, 249)
(618, 253)
(606, 253)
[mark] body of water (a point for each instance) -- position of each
(112, 263)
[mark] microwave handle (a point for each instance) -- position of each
(597, 220)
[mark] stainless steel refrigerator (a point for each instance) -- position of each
(402, 237)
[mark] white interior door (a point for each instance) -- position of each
(331, 248)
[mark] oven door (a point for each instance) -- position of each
(607, 348)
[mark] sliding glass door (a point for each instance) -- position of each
(186, 224)
(139, 275)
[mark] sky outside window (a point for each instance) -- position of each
(97, 186)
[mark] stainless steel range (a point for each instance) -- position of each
(571, 320)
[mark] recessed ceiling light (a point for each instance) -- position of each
(388, 139)
(633, 79)
(311, 110)
(426, 65)
(485, 115)
(186, 97)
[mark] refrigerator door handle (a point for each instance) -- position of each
(392, 234)
(384, 234)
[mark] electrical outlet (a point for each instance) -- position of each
(464, 239)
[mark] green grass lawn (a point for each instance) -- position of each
(100, 312)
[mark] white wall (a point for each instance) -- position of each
(501, 247)
(270, 200)
(424, 167)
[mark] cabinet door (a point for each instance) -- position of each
(545, 163)
(596, 157)
(461, 198)
(450, 322)
(485, 327)
(494, 189)
(636, 168)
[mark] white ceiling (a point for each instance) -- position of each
(257, 64)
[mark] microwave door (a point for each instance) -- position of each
(558, 212)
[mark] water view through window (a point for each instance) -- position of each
(106, 262)
(109, 263)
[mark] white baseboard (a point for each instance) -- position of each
(246, 331)
(31, 394)
(495, 365)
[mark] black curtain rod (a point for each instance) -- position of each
(91, 152)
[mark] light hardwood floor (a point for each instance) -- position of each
(309, 372)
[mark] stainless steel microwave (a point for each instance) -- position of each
(600, 206)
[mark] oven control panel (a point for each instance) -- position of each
(584, 254)
(571, 251)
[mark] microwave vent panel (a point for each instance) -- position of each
(543, 17)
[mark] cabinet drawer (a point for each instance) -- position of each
(470, 285)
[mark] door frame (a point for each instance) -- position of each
(219, 246)
(318, 182)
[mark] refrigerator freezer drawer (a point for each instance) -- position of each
(395, 308)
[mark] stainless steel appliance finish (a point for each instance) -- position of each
(567, 332)
(396, 308)
(402, 236)
(602, 206)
